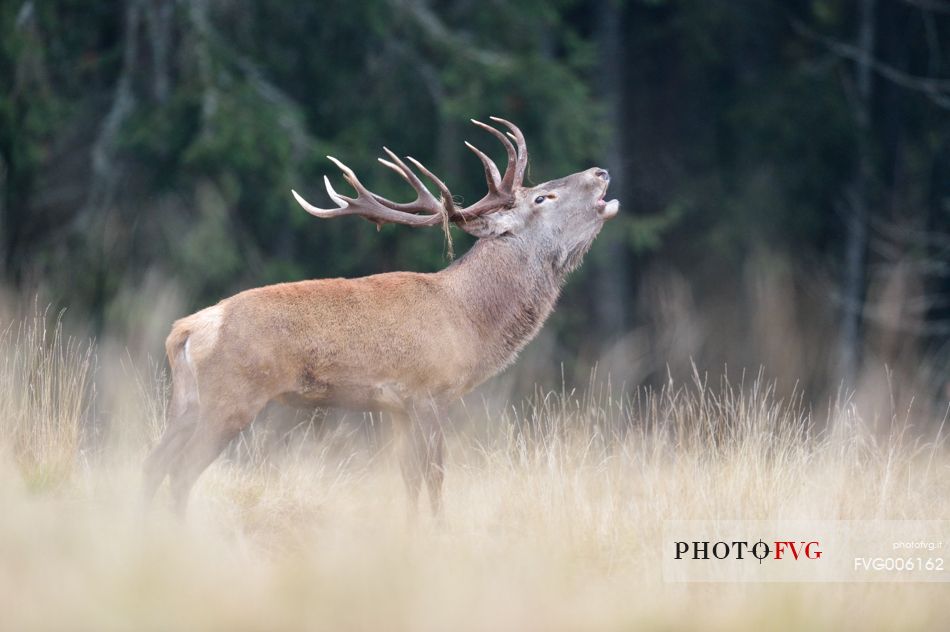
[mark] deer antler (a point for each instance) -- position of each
(501, 189)
(426, 209)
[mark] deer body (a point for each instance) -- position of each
(402, 342)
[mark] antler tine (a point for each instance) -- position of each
(501, 189)
(400, 167)
(324, 213)
(522, 163)
(407, 174)
(425, 211)
(508, 180)
(350, 176)
(447, 201)
(491, 169)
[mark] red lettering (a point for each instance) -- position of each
(797, 549)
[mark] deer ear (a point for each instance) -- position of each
(492, 225)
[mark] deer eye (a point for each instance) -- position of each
(539, 199)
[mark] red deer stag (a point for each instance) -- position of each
(402, 342)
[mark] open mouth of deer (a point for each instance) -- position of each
(606, 210)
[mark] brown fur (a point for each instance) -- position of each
(401, 342)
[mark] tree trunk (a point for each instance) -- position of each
(107, 167)
(159, 19)
(610, 271)
(3, 214)
(856, 206)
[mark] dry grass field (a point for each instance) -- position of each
(554, 509)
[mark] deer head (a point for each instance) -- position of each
(560, 217)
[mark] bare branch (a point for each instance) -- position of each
(459, 43)
(289, 117)
(937, 90)
(935, 6)
(908, 234)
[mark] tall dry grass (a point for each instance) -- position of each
(45, 390)
(553, 517)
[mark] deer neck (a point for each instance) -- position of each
(508, 288)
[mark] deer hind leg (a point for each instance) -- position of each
(182, 421)
(159, 460)
(214, 432)
(409, 463)
(422, 454)
(434, 471)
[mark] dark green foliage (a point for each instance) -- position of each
(736, 129)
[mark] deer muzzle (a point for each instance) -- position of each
(607, 210)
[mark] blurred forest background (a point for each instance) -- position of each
(783, 167)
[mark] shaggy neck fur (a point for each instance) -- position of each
(508, 286)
